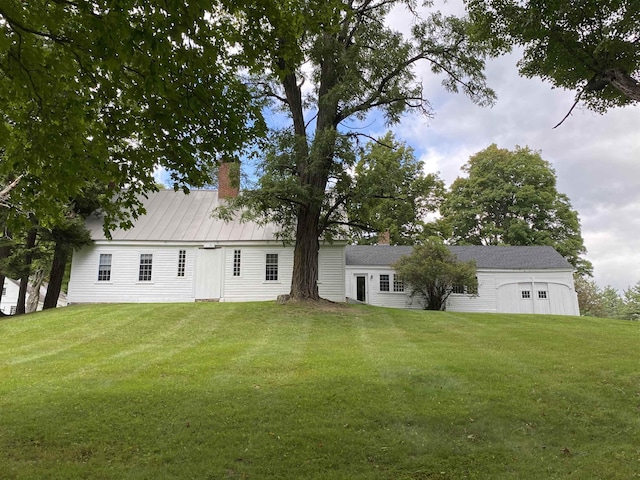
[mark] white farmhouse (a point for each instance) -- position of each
(534, 279)
(178, 252)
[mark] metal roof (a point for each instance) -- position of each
(490, 257)
(179, 217)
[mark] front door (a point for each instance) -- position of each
(361, 288)
(208, 272)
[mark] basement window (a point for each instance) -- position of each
(146, 264)
(526, 294)
(542, 294)
(271, 270)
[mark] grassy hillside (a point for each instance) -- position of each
(217, 391)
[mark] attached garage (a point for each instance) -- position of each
(532, 279)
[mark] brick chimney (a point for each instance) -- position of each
(228, 180)
(384, 238)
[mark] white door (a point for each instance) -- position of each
(208, 273)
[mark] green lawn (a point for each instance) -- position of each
(217, 391)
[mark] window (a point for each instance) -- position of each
(542, 294)
(104, 267)
(464, 290)
(384, 283)
(398, 285)
(4, 290)
(12, 310)
(236, 263)
(526, 294)
(271, 272)
(182, 261)
(146, 261)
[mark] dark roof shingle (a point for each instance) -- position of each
(492, 257)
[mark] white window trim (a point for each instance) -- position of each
(182, 263)
(277, 268)
(238, 263)
(388, 282)
(110, 255)
(145, 282)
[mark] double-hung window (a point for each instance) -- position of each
(146, 263)
(384, 283)
(271, 271)
(104, 267)
(398, 285)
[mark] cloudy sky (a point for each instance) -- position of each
(596, 157)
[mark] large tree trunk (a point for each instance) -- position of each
(56, 275)
(24, 281)
(304, 284)
(313, 167)
(304, 281)
(624, 83)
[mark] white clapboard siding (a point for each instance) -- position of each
(372, 287)
(484, 301)
(165, 284)
(251, 284)
(331, 272)
(208, 274)
(498, 291)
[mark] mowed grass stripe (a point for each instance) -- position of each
(267, 391)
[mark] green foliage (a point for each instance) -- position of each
(431, 272)
(107, 93)
(631, 308)
(150, 391)
(612, 303)
(589, 297)
(390, 192)
(607, 302)
(589, 46)
(510, 198)
(383, 188)
(356, 64)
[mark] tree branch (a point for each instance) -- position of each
(572, 107)
(4, 194)
(19, 26)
